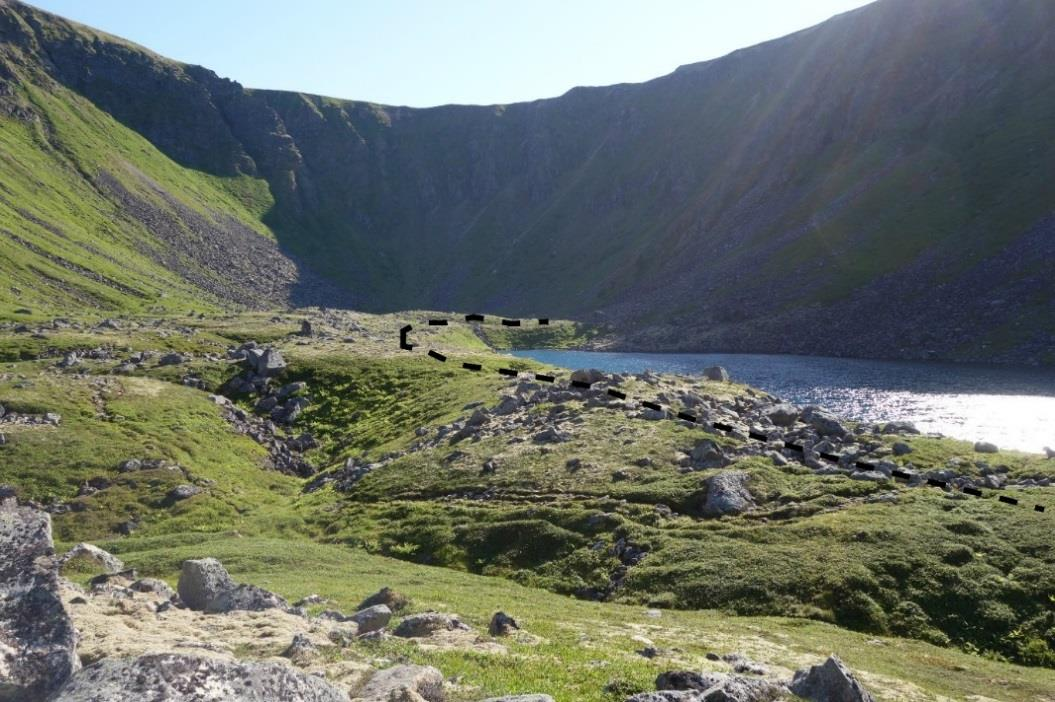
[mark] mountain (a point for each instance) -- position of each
(879, 185)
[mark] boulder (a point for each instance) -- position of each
(783, 415)
(171, 359)
(900, 428)
(206, 586)
(269, 362)
(830, 681)
(104, 559)
(507, 405)
(1049, 452)
(520, 698)
(372, 618)
(727, 493)
(175, 677)
(301, 650)
(395, 601)
(502, 625)
(153, 585)
(825, 423)
(182, 492)
(665, 696)
(708, 454)
(985, 447)
(419, 625)
(902, 449)
(587, 375)
(716, 373)
(37, 637)
(387, 684)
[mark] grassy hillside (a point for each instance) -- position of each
(954, 583)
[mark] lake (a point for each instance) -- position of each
(1014, 407)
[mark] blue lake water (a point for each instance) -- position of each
(1014, 407)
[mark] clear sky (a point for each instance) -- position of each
(421, 53)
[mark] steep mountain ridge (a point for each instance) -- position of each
(878, 185)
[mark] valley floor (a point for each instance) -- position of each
(603, 528)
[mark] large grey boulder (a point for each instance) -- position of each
(387, 684)
(985, 447)
(269, 362)
(206, 586)
(708, 454)
(711, 687)
(372, 618)
(37, 637)
(104, 559)
(587, 375)
(825, 423)
(830, 681)
(783, 415)
(716, 373)
(173, 677)
(727, 493)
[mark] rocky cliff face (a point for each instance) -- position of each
(878, 185)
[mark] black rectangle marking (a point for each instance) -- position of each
(437, 355)
(865, 465)
(544, 321)
(544, 378)
(1008, 500)
(615, 393)
(652, 405)
(830, 457)
(901, 474)
(793, 447)
(474, 318)
(757, 437)
(511, 322)
(437, 322)
(508, 371)
(687, 417)
(472, 366)
(1038, 508)
(580, 384)
(937, 483)
(973, 491)
(722, 427)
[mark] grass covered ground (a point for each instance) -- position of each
(927, 595)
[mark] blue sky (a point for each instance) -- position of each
(412, 52)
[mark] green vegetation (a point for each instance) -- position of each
(833, 554)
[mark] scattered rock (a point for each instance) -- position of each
(502, 625)
(153, 585)
(902, 449)
(387, 684)
(205, 586)
(716, 373)
(420, 625)
(727, 493)
(985, 447)
(172, 676)
(104, 559)
(183, 492)
(520, 698)
(373, 618)
(171, 359)
(587, 375)
(301, 650)
(831, 681)
(825, 423)
(395, 601)
(783, 415)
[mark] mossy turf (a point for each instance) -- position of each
(974, 576)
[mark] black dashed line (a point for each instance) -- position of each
(793, 446)
(652, 405)
(937, 483)
(722, 427)
(1008, 500)
(1038, 508)
(972, 491)
(474, 318)
(472, 366)
(437, 355)
(687, 417)
(865, 465)
(901, 474)
(437, 322)
(757, 437)
(544, 378)
(580, 384)
(829, 457)
(509, 372)
(510, 322)
(615, 393)
(543, 321)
